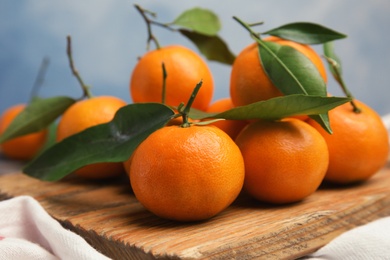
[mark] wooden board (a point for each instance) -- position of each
(108, 216)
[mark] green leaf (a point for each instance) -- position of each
(290, 70)
(293, 73)
(199, 20)
(37, 115)
(277, 108)
(111, 142)
(323, 121)
(306, 33)
(212, 47)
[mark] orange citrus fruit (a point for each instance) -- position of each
(85, 114)
(249, 82)
(23, 147)
(231, 127)
(126, 165)
(359, 145)
(285, 161)
(177, 121)
(187, 173)
(184, 68)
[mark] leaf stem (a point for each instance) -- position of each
(338, 77)
(85, 88)
(256, 24)
(248, 27)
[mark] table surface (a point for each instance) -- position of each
(9, 166)
(109, 217)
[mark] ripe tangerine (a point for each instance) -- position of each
(359, 145)
(23, 147)
(186, 173)
(249, 82)
(87, 113)
(184, 68)
(285, 161)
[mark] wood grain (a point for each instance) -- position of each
(109, 217)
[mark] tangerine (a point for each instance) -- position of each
(249, 82)
(85, 114)
(359, 145)
(184, 68)
(186, 173)
(24, 147)
(285, 161)
(231, 127)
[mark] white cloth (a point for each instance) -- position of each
(27, 231)
(370, 241)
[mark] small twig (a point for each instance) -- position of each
(151, 37)
(255, 24)
(248, 27)
(40, 77)
(85, 88)
(149, 22)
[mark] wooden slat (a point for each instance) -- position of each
(109, 217)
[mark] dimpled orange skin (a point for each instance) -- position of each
(23, 147)
(285, 161)
(187, 174)
(359, 145)
(185, 69)
(249, 82)
(231, 127)
(85, 114)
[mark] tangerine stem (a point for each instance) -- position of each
(165, 75)
(184, 112)
(148, 22)
(338, 77)
(85, 88)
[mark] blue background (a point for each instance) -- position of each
(108, 36)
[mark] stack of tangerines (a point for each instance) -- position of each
(192, 172)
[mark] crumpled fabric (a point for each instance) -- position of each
(27, 231)
(370, 241)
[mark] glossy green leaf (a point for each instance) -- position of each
(277, 108)
(199, 20)
(111, 142)
(306, 33)
(323, 121)
(293, 73)
(290, 70)
(212, 47)
(39, 114)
